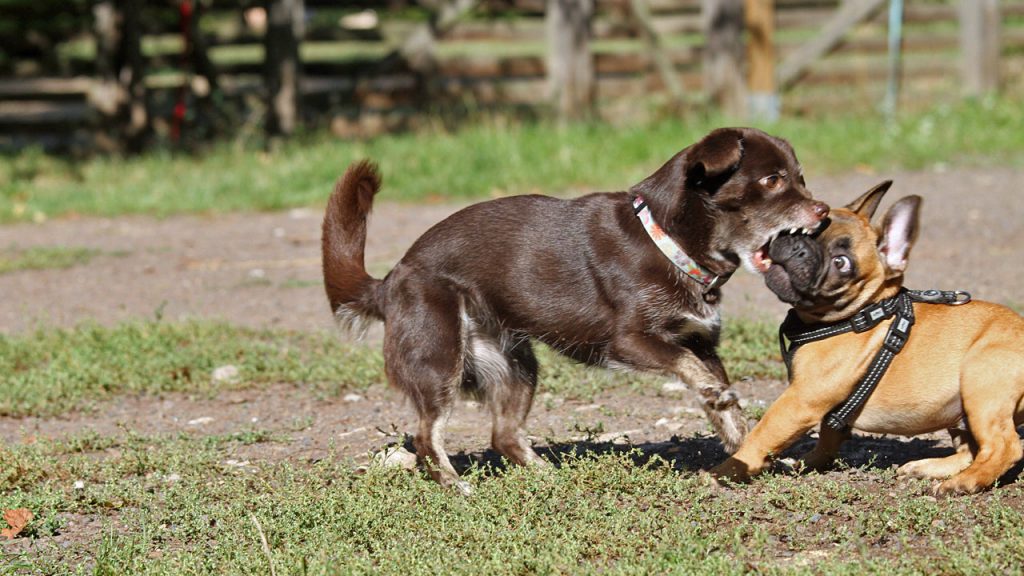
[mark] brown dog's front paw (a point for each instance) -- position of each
(732, 470)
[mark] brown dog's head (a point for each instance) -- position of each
(729, 195)
(832, 275)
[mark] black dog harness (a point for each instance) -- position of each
(901, 306)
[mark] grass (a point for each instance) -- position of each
(171, 505)
(54, 370)
(179, 503)
(489, 158)
(14, 259)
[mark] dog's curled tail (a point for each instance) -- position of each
(354, 295)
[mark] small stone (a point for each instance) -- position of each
(587, 408)
(79, 484)
(200, 421)
(236, 463)
(814, 518)
(670, 425)
(171, 478)
(279, 232)
(226, 373)
(257, 273)
(351, 398)
(395, 457)
(673, 386)
(617, 437)
(351, 432)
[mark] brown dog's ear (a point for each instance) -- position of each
(868, 201)
(899, 232)
(711, 161)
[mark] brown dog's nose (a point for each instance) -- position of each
(820, 210)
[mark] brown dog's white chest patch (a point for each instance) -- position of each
(677, 314)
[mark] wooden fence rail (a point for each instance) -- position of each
(497, 59)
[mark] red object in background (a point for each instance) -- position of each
(185, 10)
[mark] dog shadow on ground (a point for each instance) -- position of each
(704, 452)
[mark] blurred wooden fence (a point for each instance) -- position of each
(494, 60)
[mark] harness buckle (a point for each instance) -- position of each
(894, 341)
(868, 318)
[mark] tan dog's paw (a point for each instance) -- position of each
(956, 486)
(732, 470)
(706, 479)
(936, 468)
(919, 469)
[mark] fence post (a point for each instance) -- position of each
(283, 70)
(570, 65)
(120, 94)
(763, 101)
(979, 45)
(723, 54)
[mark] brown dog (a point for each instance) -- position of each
(959, 363)
(584, 276)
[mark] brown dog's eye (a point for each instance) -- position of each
(842, 263)
(771, 181)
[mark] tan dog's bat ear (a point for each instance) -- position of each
(868, 201)
(711, 161)
(899, 232)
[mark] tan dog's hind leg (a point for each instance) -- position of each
(990, 414)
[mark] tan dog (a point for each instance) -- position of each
(959, 364)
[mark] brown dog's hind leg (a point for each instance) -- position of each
(941, 468)
(510, 401)
(430, 453)
(423, 356)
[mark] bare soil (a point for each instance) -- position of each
(262, 270)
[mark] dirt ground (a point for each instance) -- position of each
(263, 270)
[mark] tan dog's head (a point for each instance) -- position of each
(832, 275)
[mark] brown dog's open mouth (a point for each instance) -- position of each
(762, 262)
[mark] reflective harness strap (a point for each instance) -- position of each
(901, 305)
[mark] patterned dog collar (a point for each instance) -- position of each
(672, 250)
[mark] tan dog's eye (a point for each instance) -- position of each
(842, 263)
(771, 181)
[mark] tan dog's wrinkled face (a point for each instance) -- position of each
(832, 275)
